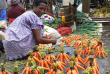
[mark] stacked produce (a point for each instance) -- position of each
(101, 13)
(81, 15)
(87, 27)
(84, 58)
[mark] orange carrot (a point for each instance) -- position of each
(47, 69)
(59, 67)
(36, 59)
(3, 72)
(68, 69)
(69, 72)
(27, 71)
(45, 63)
(23, 72)
(80, 61)
(80, 67)
(63, 67)
(58, 57)
(97, 72)
(76, 69)
(95, 63)
(61, 57)
(66, 58)
(0, 72)
(93, 69)
(73, 72)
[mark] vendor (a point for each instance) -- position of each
(15, 10)
(25, 32)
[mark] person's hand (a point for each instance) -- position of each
(54, 41)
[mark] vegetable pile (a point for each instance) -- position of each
(87, 27)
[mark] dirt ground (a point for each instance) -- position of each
(106, 39)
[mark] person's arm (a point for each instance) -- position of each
(41, 40)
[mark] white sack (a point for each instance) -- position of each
(50, 31)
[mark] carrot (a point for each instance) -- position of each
(50, 36)
(23, 72)
(80, 61)
(97, 72)
(95, 63)
(66, 58)
(105, 53)
(35, 72)
(3, 72)
(86, 62)
(69, 72)
(99, 54)
(45, 63)
(36, 59)
(39, 55)
(47, 69)
(63, 63)
(63, 67)
(48, 62)
(27, 70)
(58, 57)
(0, 72)
(102, 54)
(8, 73)
(76, 69)
(61, 57)
(54, 72)
(42, 63)
(78, 66)
(59, 67)
(46, 36)
(73, 72)
(80, 58)
(68, 69)
(83, 52)
(93, 69)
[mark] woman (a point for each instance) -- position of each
(25, 32)
(15, 10)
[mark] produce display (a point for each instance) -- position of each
(56, 24)
(81, 15)
(101, 13)
(87, 27)
(86, 51)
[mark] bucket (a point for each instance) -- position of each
(60, 12)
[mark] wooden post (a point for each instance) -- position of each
(86, 6)
(49, 7)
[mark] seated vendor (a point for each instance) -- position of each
(25, 32)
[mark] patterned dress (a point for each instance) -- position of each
(20, 34)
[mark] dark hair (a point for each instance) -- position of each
(37, 2)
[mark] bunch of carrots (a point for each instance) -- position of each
(3, 71)
(84, 48)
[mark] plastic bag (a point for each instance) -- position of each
(50, 31)
(47, 18)
(64, 30)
